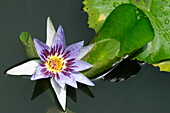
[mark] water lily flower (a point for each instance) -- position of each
(57, 61)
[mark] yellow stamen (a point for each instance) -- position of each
(55, 64)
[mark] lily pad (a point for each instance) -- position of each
(98, 10)
(124, 31)
(158, 13)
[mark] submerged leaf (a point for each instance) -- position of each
(28, 44)
(122, 34)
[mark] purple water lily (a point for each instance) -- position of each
(58, 61)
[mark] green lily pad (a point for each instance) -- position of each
(98, 10)
(27, 41)
(124, 31)
(158, 13)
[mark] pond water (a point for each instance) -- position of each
(147, 92)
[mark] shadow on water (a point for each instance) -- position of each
(121, 71)
(44, 84)
(71, 92)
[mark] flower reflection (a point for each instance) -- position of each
(56, 110)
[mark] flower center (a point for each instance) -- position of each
(55, 64)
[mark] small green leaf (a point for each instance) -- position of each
(28, 44)
(123, 32)
(164, 65)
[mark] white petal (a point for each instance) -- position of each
(61, 80)
(81, 65)
(27, 68)
(60, 92)
(82, 79)
(71, 81)
(50, 32)
(38, 74)
(85, 50)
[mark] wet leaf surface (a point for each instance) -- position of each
(158, 12)
(125, 30)
(98, 10)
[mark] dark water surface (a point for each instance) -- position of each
(148, 92)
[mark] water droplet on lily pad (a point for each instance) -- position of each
(115, 4)
(160, 15)
(159, 25)
(166, 36)
(166, 13)
(166, 21)
(138, 17)
(137, 12)
(161, 8)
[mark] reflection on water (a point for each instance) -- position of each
(56, 110)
